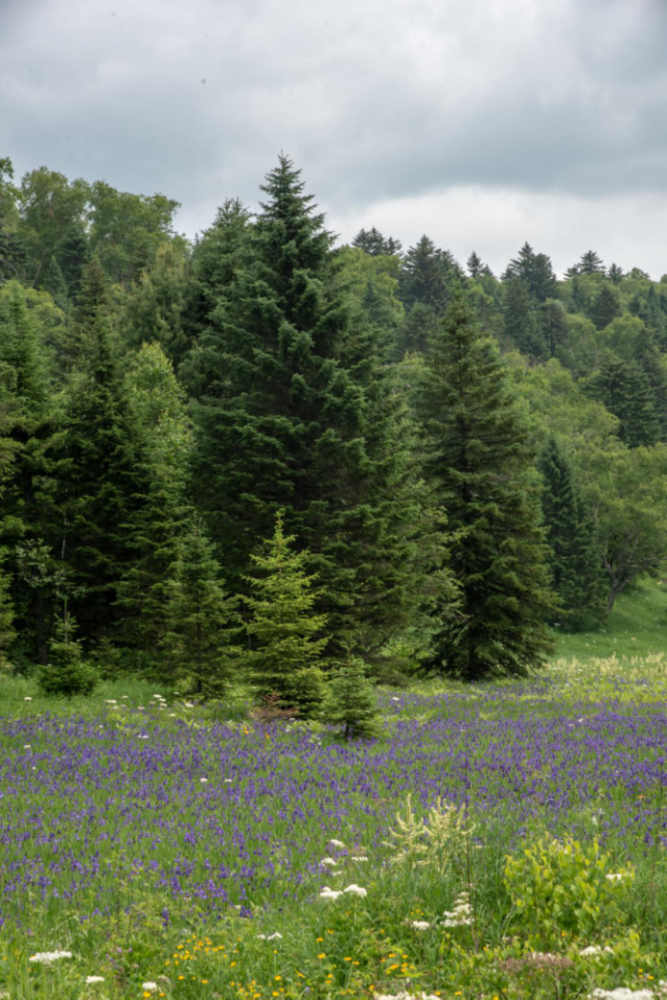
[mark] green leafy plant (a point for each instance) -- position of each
(561, 887)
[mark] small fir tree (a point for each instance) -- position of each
(200, 644)
(351, 702)
(66, 673)
(284, 631)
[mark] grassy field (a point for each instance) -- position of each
(499, 841)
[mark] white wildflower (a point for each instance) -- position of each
(361, 857)
(276, 936)
(46, 957)
(617, 876)
(331, 862)
(228, 781)
(337, 844)
(405, 996)
(94, 979)
(420, 925)
(461, 915)
(111, 701)
(395, 699)
(621, 993)
(204, 781)
(149, 987)
(26, 746)
(27, 698)
(328, 893)
(356, 890)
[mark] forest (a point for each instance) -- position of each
(262, 455)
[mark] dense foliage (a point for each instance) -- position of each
(458, 459)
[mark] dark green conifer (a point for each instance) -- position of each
(201, 643)
(297, 410)
(522, 324)
(605, 306)
(626, 392)
(101, 480)
(574, 561)
(480, 460)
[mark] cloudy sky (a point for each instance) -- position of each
(483, 123)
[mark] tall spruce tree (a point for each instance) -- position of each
(574, 560)
(297, 411)
(101, 481)
(480, 461)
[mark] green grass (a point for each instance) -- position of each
(636, 626)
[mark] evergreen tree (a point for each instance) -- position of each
(475, 266)
(155, 307)
(285, 632)
(373, 242)
(654, 365)
(351, 702)
(201, 642)
(428, 275)
(297, 411)
(480, 460)
(535, 271)
(30, 433)
(521, 320)
(604, 307)
(100, 480)
(155, 529)
(615, 274)
(553, 324)
(574, 562)
(626, 392)
(7, 631)
(72, 256)
(66, 673)
(591, 263)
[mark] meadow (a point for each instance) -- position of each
(503, 840)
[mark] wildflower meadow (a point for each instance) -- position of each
(501, 840)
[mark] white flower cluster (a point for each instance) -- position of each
(360, 857)
(46, 957)
(336, 845)
(330, 862)
(353, 890)
(419, 925)
(461, 915)
(276, 936)
(618, 876)
(94, 979)
(149, 987)
(406, 996)
(595, 949)
(160, 702)
(621, 993)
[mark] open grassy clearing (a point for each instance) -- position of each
(177, 852)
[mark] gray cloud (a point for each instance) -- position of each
(378, 101)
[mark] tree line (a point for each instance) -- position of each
(262, 455)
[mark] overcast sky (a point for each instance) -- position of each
(483, 123)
